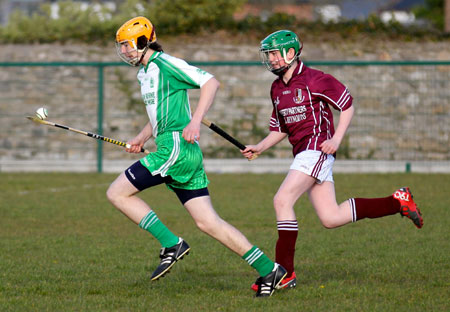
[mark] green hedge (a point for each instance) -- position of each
(177, 17)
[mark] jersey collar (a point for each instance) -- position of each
(297, 71)
(300, 68)
(154, 56)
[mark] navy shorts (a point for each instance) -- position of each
(142, 179)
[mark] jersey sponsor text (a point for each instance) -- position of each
(295, 118)
(293, 110)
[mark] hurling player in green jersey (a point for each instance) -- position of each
(178, 160)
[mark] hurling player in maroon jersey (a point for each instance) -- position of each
(302, 99)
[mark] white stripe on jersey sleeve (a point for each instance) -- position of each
(345, 96)
(274, 122)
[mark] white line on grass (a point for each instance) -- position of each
(62, 189)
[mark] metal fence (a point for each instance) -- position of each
(402, 110)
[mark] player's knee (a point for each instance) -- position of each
(278, 202)
(208, 226)
(328, 223)
(328, 226)
(203, 226)
(111, 195)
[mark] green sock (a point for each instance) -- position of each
(152, 224)
(259, 261)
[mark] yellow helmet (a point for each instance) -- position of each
(134, 36)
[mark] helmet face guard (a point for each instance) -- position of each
(133, 39)
(271, 65)
(282, 41)
(128, 52)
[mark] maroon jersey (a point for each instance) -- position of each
(301, 108)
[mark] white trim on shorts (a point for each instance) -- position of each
(173, 156)
(315, 164)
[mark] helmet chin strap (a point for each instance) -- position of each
(146, 47)
(282, 70)
(142, 56)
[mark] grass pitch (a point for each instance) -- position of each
(63, 247)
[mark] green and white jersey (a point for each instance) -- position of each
(164, 83)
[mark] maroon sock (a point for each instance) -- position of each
(373, 207)
(285, 248)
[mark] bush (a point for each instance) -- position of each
(74, 23)
(191, 17)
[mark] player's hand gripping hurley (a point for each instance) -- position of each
(89, 134)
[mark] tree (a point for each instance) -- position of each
(433, 11)
(447, 16)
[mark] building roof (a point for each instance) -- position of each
(402, 5)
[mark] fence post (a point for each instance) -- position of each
(100, 119)
(408, 167)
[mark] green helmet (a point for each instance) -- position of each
(282, 41)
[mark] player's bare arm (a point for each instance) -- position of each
(270, 140)
(207, 94)
(138, 142)
(332, 145)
